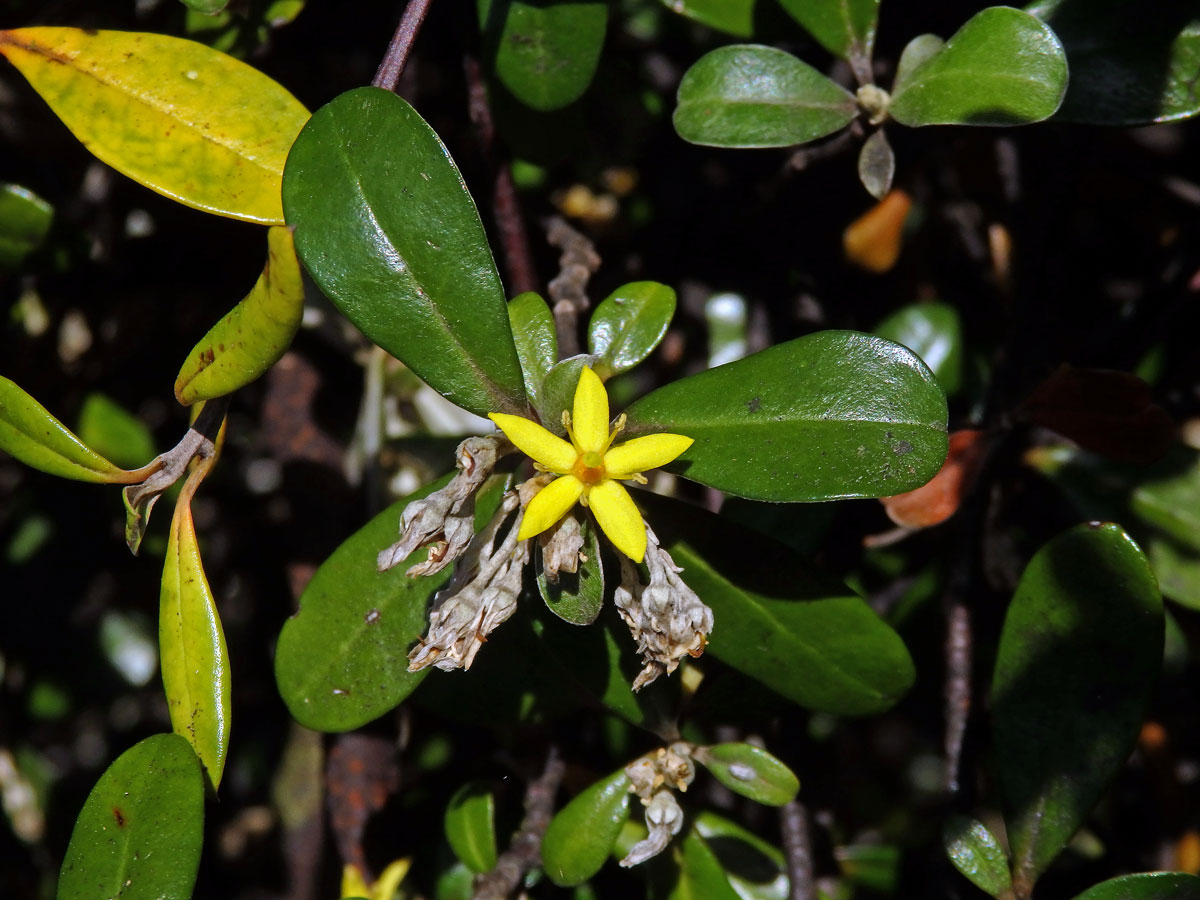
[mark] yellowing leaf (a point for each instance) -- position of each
(254, 334)
(185, 120)
(872, 241)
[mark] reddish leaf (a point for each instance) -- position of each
(1110, 413)
(940, 497)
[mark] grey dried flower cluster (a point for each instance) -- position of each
(666, 617)
(654, 778)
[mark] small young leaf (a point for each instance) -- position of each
(933, 331)
(1146, 886)
(834, 414)
(755, 869)
(734, 17)
(181, 118)
(24, 222)
(114, 432)
(877, 164)
(750, 771)
(628, 324)
(387, 229)
(845, 28)
(1127, 68)
(30, 434)
(1065, 718)
(254, 334)
(868, 865)
(976, 853)
(533, 332)
(701, 875)
(470, 825)
(141, 829)
(191, 643)
(578, 596)
(580, 836)
(915, 52)
(1003, 67)
(747, 95)
(544, 52)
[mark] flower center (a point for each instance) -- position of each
(589, 468)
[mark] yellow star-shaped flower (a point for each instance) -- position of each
(591, 468)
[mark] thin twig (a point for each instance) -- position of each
(797, 847)
(958, 688)
(390, 70)
(525, 851)
(568, 290)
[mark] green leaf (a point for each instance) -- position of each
(803, 635)
(846, 28)
(580, 836)
(141, 828)
(533, 333)
(191, 643)
(1127, 67)
(578, 596)
(915, 52)
(1177, 570)
(877, 164)
(933, 331)
(1146, 886)
(30, 434)
(254, 334)
(544, 52)
(701, 875)
(1169, 498)
(24, 223)
(750, 771)
(628, 324)
(734, 17)
(754, 868)
(114, 432)
(1065, 717)
(831, 415)
(181, 118)
(872, 866)
(976, 853)
(387, 229)
(747, 95)
(342, 659)
(207, 7)
(470, 825)
(1003, 67)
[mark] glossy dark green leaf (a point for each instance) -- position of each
(877, 165)
(30, 434)
(387, 229)
(192, 652)
(802, 634)
(114, 432)
(734, 17)
(24, 222)
(580, 836)
(834, 414)
(544, 51)
(141, 829)
(914, 54)
(1065, 717)
(470, 825)
(845, 28)
(628, 324)
(342, 659)
(1146, 886)
(533, 333)
(750, 771)
(701, 875)
(747, 95)
(577, 597)
(754, 868)
(977, 853)
(1127, 67)
(1003, 67)
(933, 331)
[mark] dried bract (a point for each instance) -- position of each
(561, 546)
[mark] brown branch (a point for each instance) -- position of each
(568, 290)
(388, 74)
(797, 847)
(525, 851)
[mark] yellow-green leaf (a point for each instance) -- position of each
(29, 433)
(185, 120)
(195, 663)
(254, 334)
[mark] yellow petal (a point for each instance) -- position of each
(619, 518)
(353, 883)
(386, 885)
(644, 453)
(536, 442)
(550, 505)
(589, 420)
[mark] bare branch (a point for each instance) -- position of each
(392, 67)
